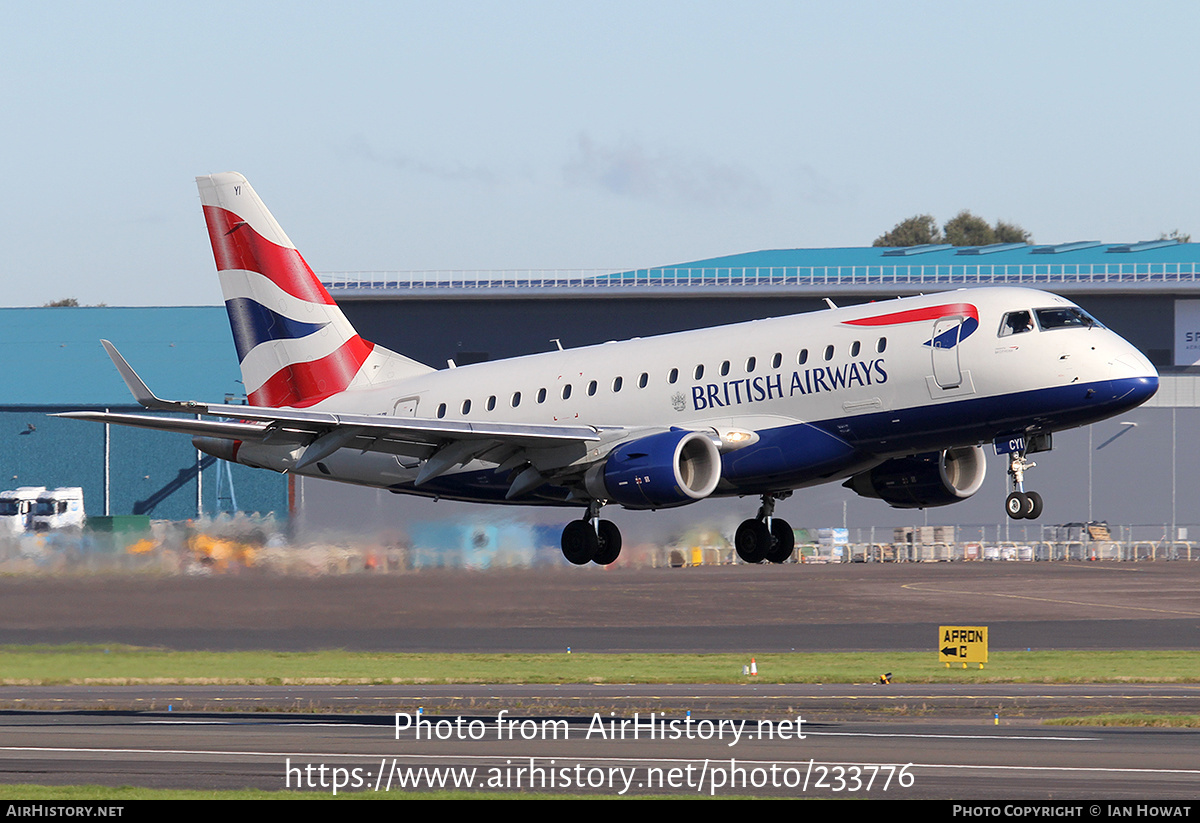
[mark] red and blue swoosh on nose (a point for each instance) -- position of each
(947, 339)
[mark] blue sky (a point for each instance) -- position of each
(448, 135)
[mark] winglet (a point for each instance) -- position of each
(137, 386)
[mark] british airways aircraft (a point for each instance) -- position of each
(897, 399)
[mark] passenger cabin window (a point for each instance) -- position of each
(491, 403)
(750, 364)
(516, 401)
(777, 360)
(855, 348)
(566, 392)
(1016, 322)
(643, 380)
(592, 388)
(673, 376)
(466, 407)
(699, 372)
(541, 395)
(881, 345)
(617, 382)
(441, 412)
(829, 352)
(725, 368)
(802, 357)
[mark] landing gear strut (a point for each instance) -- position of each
(766, 537)
(590, 539)
(1020, 504)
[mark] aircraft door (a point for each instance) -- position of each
(405, 407)
(944, 345)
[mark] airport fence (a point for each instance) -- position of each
(236, 545)
(959, 544)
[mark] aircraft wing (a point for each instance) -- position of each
(264, 424)
(441, 444)
(181, 425)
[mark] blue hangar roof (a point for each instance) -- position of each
(1087, 252)
(1077, 266)
(1083, 265)
(53, 357)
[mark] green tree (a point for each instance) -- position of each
(64, 303)
(965, 229)
(915, 231)
(1177, 236)
(1011, 233)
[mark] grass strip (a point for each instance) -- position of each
(1180, 721)
(126, 665)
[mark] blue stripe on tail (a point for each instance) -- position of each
(253, 323)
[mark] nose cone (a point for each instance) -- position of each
(1134, 378)
(1142, 389)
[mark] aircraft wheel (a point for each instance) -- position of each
(1034, 511)
(782, 542)
(610, 544)
(579, 542)
(1016, 504)
(752, 541)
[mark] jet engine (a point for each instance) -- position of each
(237, 451)
(924, 480)
(658, 471)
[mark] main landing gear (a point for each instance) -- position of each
(591, 540)
(766, 537)
(1020, 504)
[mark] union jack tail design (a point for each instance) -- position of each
(295, 346)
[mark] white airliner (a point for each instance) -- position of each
(896, 398)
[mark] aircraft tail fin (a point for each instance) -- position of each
(295, 346)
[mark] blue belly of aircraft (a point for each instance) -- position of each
(809, 453)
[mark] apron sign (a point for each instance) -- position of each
(962, 644)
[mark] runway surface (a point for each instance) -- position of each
(710, 609)
(863, 741)
(786, 741)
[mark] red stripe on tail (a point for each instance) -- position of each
(236, 245)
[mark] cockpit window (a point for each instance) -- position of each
(1016, 322)
(1071, 317)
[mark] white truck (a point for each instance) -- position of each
(60, 508)
(16, 509)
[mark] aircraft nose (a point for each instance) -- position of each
(1134, 375)
(1132, 364)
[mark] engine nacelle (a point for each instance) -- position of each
(221, 448)
(924, 480)
(248, 454)
(659, 471)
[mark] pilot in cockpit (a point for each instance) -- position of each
(1016, 322)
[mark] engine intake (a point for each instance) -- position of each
(924, 480)
(663, 470)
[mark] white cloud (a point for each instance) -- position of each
(629, 170)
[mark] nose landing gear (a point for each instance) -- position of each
(765, 537)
